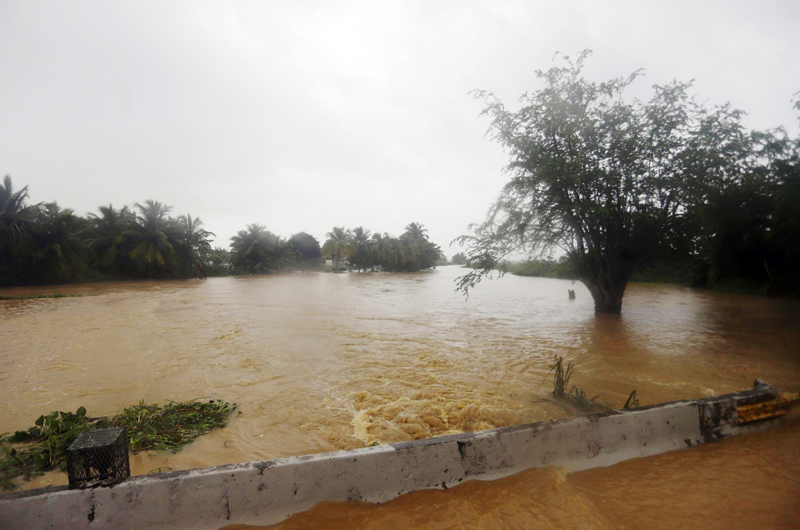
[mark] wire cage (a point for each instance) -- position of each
(101, 454)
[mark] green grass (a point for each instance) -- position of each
(168, 427)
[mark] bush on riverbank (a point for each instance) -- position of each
(168, 427)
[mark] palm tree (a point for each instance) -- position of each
(382, 247)
(258, 251)
(61, 253)
(16, 217)
(17, 228)
(415, 240)
(193, 233)
(416, 232)
(361, 248)
(152, 236)
(192, 241)
(106, 233)
(337, 245)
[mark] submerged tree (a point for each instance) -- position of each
(608, 182)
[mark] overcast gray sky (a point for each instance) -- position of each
(305, 115)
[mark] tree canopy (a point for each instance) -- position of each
(410, 252)
(307, 247)
(44, 243)
(610, 182)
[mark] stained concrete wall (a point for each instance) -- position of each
(268, 492)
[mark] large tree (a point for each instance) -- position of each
(606, 180)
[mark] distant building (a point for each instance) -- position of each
(329, 262)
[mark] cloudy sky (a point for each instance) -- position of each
(305, 115)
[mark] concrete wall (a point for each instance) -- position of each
(268, 492)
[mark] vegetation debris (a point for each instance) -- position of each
(167, 427)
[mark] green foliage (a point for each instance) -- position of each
(17, 224)
(459, 259)
(217, 261)
(360, 252)
(620, 184)
(410, 252)
(337, 245)
(169, 427)
(43, 243)
(546, 268)
(307, 249)
(256, 250)
(44, 446)
(106, 236)
(172, 426)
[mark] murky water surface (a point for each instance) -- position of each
(320, 362)
(741, 483)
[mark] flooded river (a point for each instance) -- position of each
(320, 362)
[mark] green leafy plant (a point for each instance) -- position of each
(168, 427)
(172, 426)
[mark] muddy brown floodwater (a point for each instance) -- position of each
(321, 362)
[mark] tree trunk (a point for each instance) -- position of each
(608, 299)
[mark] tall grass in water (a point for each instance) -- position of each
(562, 374)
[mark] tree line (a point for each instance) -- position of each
(44, 243)
(412, 251)
(622, 187)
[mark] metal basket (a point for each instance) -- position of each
(96, 455)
